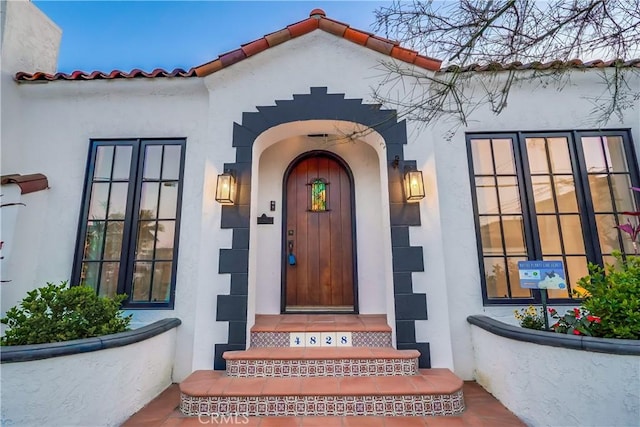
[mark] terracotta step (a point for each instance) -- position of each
(321, 362)
(366, 330)
(430, 392)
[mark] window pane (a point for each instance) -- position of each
(318, 196)
(109, 279)
(565, 193)
(607, 234)
(164, 243)
(542, 194)
(146, 238)
(152, 161)
(171, 163)
(168, 200)
(113, 245)
(149, 200)
(491, 235)
(509, 196)
(614, 151)
(481, 153)
(536, 151)
(576, 268)
(514, 278)
(592, 148)
(94, 240)
(118, 200)
(503, 153)
(98, 203)
(626, 238)
(122, 163)
(161, 281)
(496, 278)
(549, 234)
(486, 194)
(572, 234)
(89, 274)
(623, 193)
(559, 153)
(141, 281)
(600, 195)
(104, 157)
(514, 235)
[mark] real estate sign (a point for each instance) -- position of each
(542, 274)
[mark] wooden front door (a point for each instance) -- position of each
(318, 236)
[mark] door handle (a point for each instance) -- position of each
(291, 257)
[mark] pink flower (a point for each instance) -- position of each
(576, 332)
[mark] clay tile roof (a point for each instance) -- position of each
(540, 66)
(318, 21)
(27, 183)
(99, 75)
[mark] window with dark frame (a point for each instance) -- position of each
(549, 196)
(130, 217)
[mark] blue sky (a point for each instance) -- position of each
(108, 35)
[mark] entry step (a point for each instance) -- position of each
(321, 362)
(430, 392)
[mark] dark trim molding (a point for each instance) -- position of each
(25, 353)
(598, 345)
(319, 104)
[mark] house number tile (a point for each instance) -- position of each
(297, 339)
(328, 339)
(343, 339)
(312, 339)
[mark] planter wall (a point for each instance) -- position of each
(97, 381)
(550, 379)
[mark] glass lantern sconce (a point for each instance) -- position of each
(413, 186)
(413, 182)
(226, 188)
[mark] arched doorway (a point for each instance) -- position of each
(319, 245)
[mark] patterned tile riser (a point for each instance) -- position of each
(360, 339)
(291, 406)
(321, 368)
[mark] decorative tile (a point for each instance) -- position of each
(321, 367)
(372, 405)
(371, 339)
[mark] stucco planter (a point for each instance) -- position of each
(550, 379)
(93, 381)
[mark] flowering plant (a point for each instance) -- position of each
(576, 322)
(530, 317)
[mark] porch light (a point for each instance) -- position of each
(413, 186)
(226, 188)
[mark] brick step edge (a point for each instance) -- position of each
(330, 405)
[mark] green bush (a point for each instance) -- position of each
(614, 296)
(56, 313)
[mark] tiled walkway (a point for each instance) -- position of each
(482, 410)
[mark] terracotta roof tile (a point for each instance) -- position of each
(98, 75)
(537, 65)
(318, 20)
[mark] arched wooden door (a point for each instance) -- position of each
(319, 256)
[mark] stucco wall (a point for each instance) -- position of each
(551, 386)
(97, 388)
(532, 107)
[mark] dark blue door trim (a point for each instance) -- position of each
(321, 105)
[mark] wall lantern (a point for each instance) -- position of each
(226, 188)
(413, 186)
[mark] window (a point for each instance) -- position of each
(128, 234)
(318, 195)
(548, 196)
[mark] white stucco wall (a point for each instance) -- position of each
(552, 386)
(54, 140)
(102, 387)
(531, 107)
